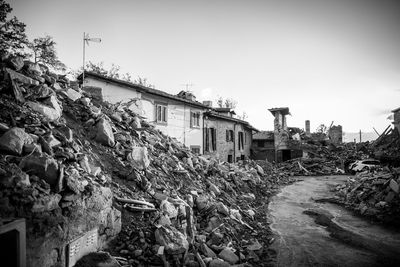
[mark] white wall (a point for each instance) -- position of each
(178, 122)
(111, 92)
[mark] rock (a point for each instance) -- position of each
(52, 141)
(228, 255)
(255, 245)
(72, 94)
(17, 63)
(52, 102)
(116, 116)
(49, 79)
(173, 240)
(57, 87)
(66, 132)
(394, 186)
(168, 209)
(221, 208)
(74, 182)
(218, 263)
(49, 112)
(15, 76)
(29, 148)
(46, 203)
(208, 252)
(215, 189)
(85, 101)
(104, 134)
(249, 197)
(33, 68)
(137, 253)
(260, 170)
(41, 165)
(14, 140)
(139, 158)
(136, 123)
(42, 91)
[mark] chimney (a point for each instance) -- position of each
(208, 103)
(308, 128)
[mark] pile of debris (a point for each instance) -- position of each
(70, 163)
(373, 194)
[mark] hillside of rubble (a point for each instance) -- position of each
(70, 163)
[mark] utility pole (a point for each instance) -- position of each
(86, 40)
(360, 136)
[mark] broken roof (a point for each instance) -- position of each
(216, 115)
(225, 110)
(284, 110)
(142, 88)
(264, 135)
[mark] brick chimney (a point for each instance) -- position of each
(308, 133)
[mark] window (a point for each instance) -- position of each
(195, 149)
(240, 141)
(260, 143)
(230, 158)
(195, 119)
(161, 113)
(229, 136)
(211, 139)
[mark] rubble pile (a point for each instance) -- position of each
(373, 194)
(70, 163)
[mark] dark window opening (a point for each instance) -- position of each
(230, 158)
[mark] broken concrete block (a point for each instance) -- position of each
(394, 186)
(44, 166)
(168, 209)
(15, 76)
(228, 255)
(33, 68)
(139, 158)
(72, 94)
(15, 62)
(14, 140)
(104, 133)
(51, 113)
(173, 240)
(221, 208)
(215, 189)
(46, 203)
(136, 123)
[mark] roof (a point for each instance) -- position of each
(264, 135)
(142, 88)
(225, 110)
(395, 110)
(219, 116)
(284, 110)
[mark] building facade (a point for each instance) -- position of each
(263, 147)
(178, 116)
(226, 138)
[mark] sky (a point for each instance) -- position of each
(327, 60)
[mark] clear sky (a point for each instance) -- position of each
(327, 60)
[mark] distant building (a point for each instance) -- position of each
(263, 146)
(225, 137)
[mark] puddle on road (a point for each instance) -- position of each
(302, 242)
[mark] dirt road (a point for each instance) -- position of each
(310, 233)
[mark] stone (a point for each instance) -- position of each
(218, 263)
(168, 209)
(14, 140)
(85, 101)
(72, 94)
(228, 255)
(84, 163)
(50, 113)
(52, 102)
(215, 189)
(394, 186)
(29, 148)
(52, 141)
(41, 165)
(66, 132)
(260, 170)
(208, 252)
(221, 208)
(139, 158)
(173, 240)
(255, 245)
(136, 123)
(49, 79)
(104, 133)
(57, 87)
(33, 68)
(17, 63)
(116, 116)
(74, 182)
(42, 91)
(15, 76)
(137, 252)
(46, 203)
